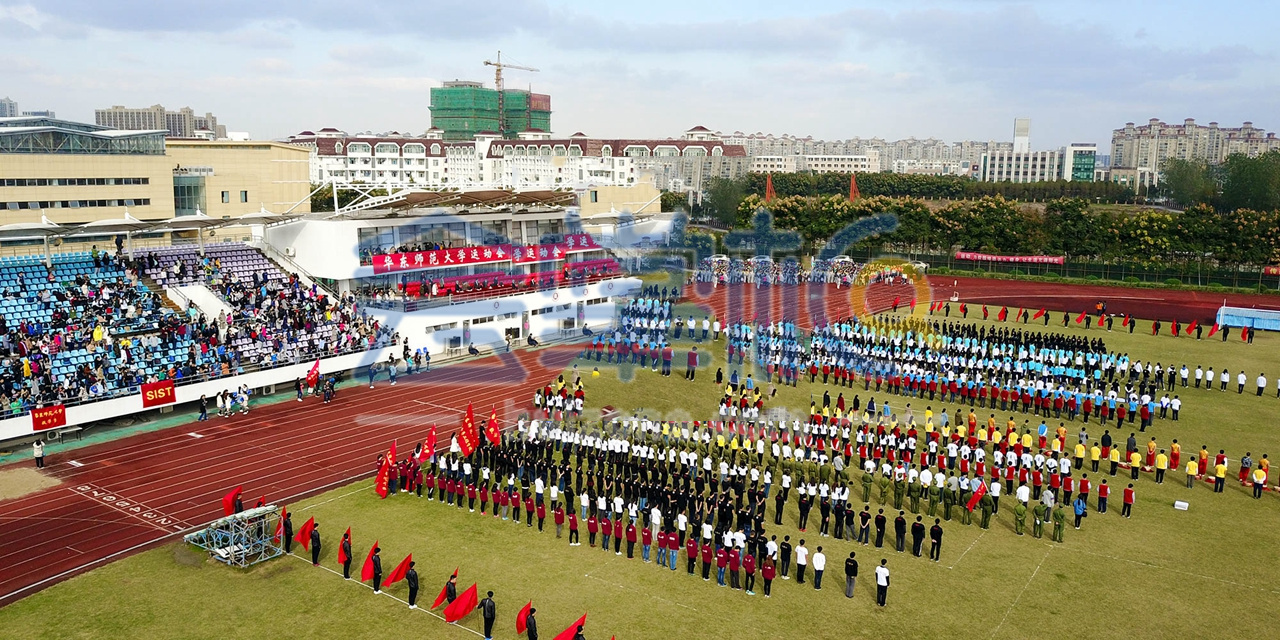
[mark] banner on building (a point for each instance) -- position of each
(155, 394)
(461, 257)
(987, 257)
(46, 418)
(1271, 271)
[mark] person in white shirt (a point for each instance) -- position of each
(819, 565)
(882, 582)
(802, 561)
(1262, 383)
(1024, 493)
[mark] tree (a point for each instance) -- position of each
(1251, 183)
(1188, 182)
(723, 198)
(673, 201)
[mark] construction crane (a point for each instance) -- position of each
(497, 82)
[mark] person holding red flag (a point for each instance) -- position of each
(304, 534)
(468, 438)
(231, 502)
(344, 554)
(522, 617)
(462, 606)
(574, 631)
(491, 430)
(373, 568)
(284, 529)
(449, 592)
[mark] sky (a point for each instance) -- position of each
(954, 70)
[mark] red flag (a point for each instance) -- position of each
(896, 300)
(1153, 327)
(443, 591)
(313, 376)
(853, 187)
(366, 572)
(567, 634)
(468, 437)
(431, 442)
(1080, 318)
(1191, 327)
(1244, 333)
(964, 308)
(303, 537)
(1173, 328)
(342, 555)
(491, 430)
(521, 615)
(280, 524)
(1038, 314)
(397, 574)
(977, 495)
(1004, 313)
(462, 605)
(1126, 321)
(380, 483)
(1214, 329)
(913, 304)
(769, 194)
(391, 453)
(229, 500)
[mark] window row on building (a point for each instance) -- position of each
(74, 204)
(70, 182)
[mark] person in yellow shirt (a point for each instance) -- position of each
(1026, 439)
(991, 423)
(982, 434)
(1095, 454)
(1219, 477)
(1162, 463)
(1135, 463)
(1192, 468)
(1114, 458)
(1265, 465)
(1056, 445)
(1079, 454)
(1259, 482)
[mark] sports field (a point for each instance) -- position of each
(1163, 573)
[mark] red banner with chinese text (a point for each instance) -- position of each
(987, 257)
(46, 418)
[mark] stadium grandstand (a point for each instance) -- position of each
(202, 305)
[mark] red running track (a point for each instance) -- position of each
(145, 490)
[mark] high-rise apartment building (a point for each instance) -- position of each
(8, 108)
(1148, 146)
(183, 123)
(1022, 135)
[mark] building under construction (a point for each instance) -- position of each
(462, 109)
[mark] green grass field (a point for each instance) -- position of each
(1163, 573)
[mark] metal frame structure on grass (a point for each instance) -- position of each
(242, 539)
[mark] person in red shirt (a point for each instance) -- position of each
(617, 536)
(471, 497)
(606, 530)
(528, 511)
(542, 515)
(1127, 509)
(631, 540)
(484, 497)
(573, 527)
(691, 549)
(749, 569)
(706, 561)
(646, 542)
(593, 527)
(1104, 491)
(722, 561)
(662, 548)
(431, 486)
(767, 571)
(735, 564)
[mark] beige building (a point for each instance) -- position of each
(640, 198)
(74, 173)
(226, 178)
(1148, 146)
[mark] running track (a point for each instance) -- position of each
(165, 483)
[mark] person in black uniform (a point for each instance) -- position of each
(489, 611)
(411, 578)
(880, 522)
(238, 506)
(900, 531)
(377, 570)
(531, 625)
(288, 532)
(451, 589)
(917, 536)
(935, 538)
(577, 635)
(346, 552)
(315, 545)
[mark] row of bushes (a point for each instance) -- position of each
(1131, 281)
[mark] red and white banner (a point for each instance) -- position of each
(155, 394)
(467, 256)
(1271, 271)
(461, 257)
(49, 417)
(987, 257)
